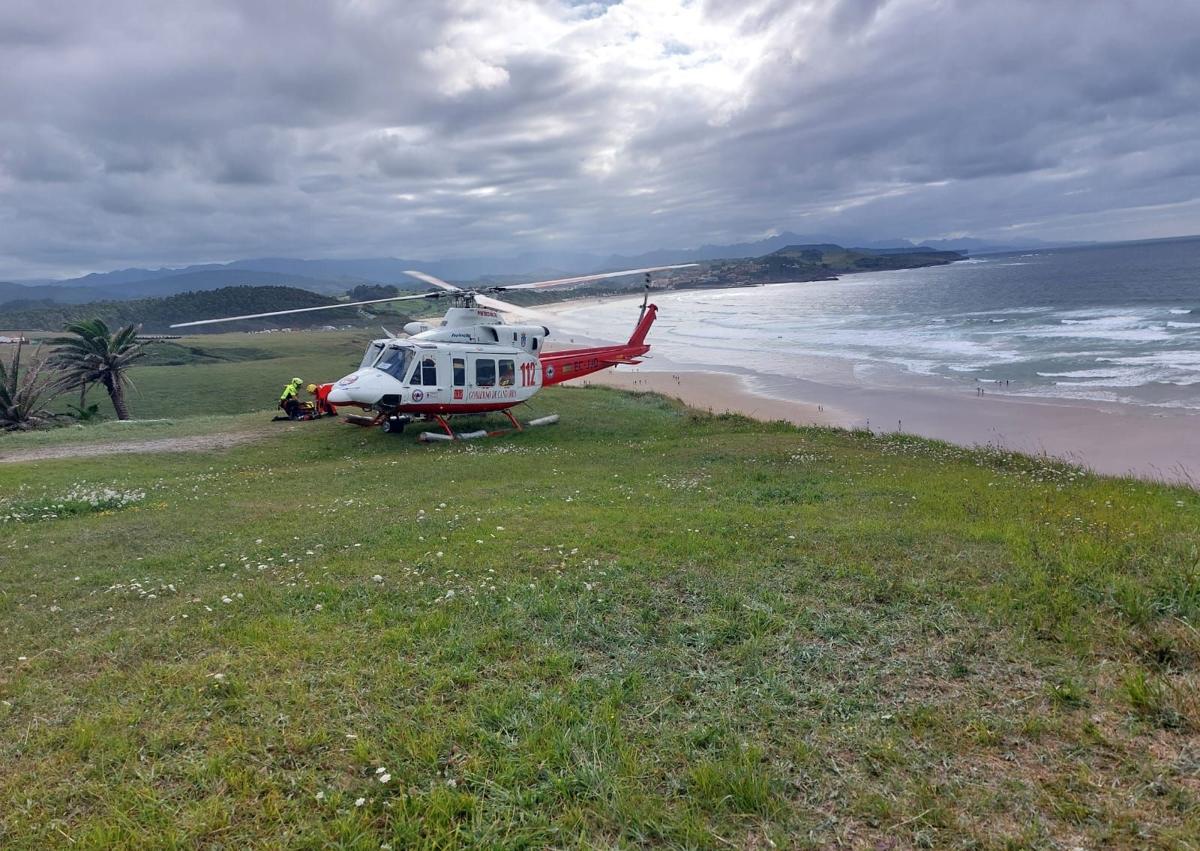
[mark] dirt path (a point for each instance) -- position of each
(193, 443)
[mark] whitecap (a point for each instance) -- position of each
(1178, 359)
(1086, 373)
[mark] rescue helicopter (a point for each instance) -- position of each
(473, 361)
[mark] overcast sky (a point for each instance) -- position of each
(135, 133)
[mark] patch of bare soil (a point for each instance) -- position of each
(193, 443)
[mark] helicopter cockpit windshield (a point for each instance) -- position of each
(395, 360)
(372, 354)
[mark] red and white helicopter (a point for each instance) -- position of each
(472, 362)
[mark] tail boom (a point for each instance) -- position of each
(558, 367)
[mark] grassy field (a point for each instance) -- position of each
(237, 372)
(642, 627)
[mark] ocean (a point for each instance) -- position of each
(1113, 323)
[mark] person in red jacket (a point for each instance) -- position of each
(321, 399)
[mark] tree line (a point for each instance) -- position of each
(157, 314)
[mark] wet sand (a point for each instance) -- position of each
(1108, 438)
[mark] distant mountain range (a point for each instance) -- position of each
(333, 276)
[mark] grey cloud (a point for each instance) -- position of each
(41, 154)
(190, 132)
(850, 16)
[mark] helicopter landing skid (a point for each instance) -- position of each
(451, 435)
(364, 421)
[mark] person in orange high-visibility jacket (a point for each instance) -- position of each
(321, 394)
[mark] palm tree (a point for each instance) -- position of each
(22, 395)
(97, 356)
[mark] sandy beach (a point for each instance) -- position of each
(718, 393)
(1108, 437)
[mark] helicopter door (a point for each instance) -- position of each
(424, 379)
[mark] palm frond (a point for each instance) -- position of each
(96, 355)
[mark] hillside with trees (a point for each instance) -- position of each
(818, 262)
(155, 315)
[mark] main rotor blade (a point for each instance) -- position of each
(508, 307)
(304, 310)
(578, 279)
(432, 281)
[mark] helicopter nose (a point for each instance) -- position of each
(342, 393)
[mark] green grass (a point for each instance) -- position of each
(233, 373)
(644, 626)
